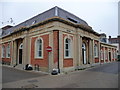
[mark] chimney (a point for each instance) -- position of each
(109, 37)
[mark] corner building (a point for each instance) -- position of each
(74, 43)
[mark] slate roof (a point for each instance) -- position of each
(55, 11)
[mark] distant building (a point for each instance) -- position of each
(72, 42)
(103, 37)
(115, 41)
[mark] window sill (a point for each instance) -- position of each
(96, 57)
(68, 58)
(8, 57)
(38, 58)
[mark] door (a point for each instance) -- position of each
(109, 56)
(20, 56)
(84, 53)
(20, 53)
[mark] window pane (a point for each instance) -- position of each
(67, 53)
(40, 54)
(40, 41)
(66, 41)
(66, 46)
(40, 47)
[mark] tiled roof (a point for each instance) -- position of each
(55, 11)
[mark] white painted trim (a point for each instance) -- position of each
(71, 47)
(3, 51)
(18, 54)
(7, 51)
(21, 46)
(35, 54)
(39, 34)
(85, 53)
(101, 55)
(6, 41)
(96, 51)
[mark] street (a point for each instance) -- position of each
(101, 76)
(11, 75)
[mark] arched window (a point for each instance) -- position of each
(106, 54)
(3, 51)
(39, 48)
(113, 54)
(95, 50)
(67, 48)
(102, 55)
(8, 51)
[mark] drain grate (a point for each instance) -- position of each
(29, 86)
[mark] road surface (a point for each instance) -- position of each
(101, 76)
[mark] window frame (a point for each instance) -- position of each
(106, 54)
(102, 54)
(96, 51)
(69, 47)
(37, 51)
(3, 51)
(8, 51)
(113, 57)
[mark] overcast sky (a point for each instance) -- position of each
(101, 15)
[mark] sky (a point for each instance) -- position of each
(101, 15)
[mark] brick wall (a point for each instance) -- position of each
(67, 62)
(44, 61)
(6, 59)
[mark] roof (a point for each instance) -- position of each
(102, 43)
(55, 11)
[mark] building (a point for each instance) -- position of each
(103, 37)
(74, 43)
(116, 42)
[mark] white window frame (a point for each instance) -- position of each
(36, 49)
(96, 50)
(8, 51)
(102, 55)
(69, 47)
(3, 51)
(113, 54)
(106, 54)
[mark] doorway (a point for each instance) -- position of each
(109, 56)
(84, 53)
(20, 53)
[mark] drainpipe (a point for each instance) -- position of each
(58, 53)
